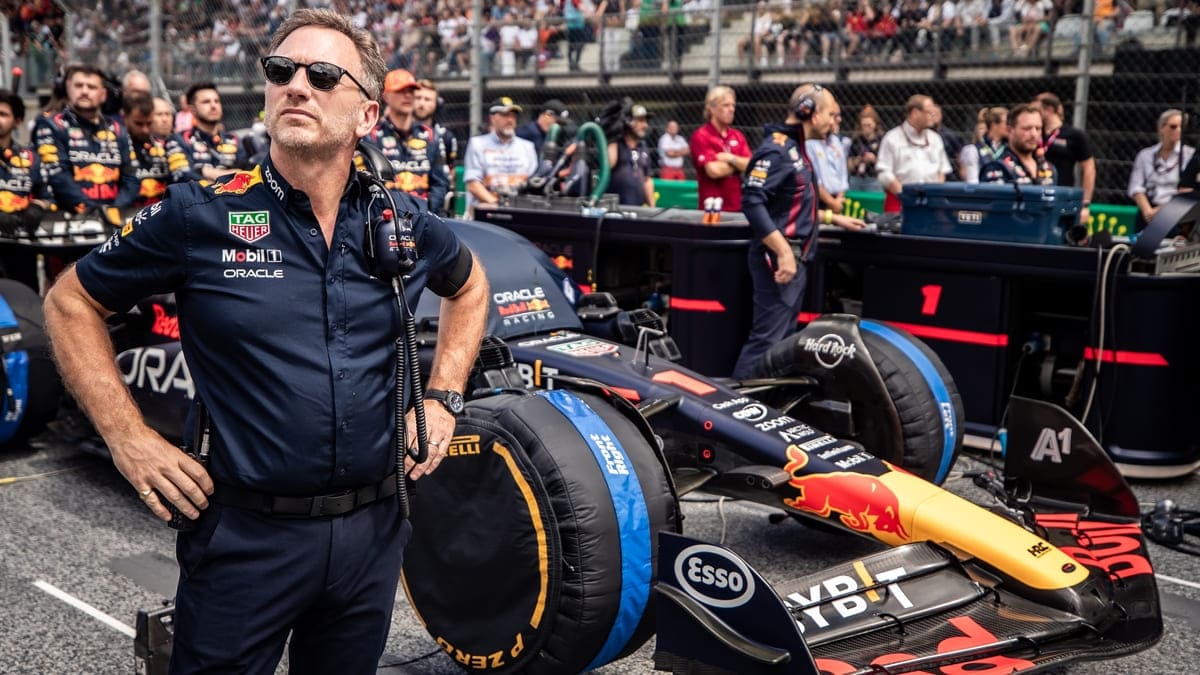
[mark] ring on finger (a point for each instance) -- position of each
(145, 494)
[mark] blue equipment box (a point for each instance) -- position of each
(1028, 214)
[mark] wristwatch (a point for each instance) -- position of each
(450, 400)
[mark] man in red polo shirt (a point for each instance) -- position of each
(720, 153)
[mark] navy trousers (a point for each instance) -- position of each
(247, 579)
(775, 310)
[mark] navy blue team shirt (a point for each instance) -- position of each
(290, 344)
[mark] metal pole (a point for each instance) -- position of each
(6, 55)
(476, 60)
(714, 29)
(156, 71)
(1083, 79)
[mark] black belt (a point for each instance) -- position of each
(334, 504)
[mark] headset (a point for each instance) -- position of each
(389, 247)
(390, 252)
(807, 105)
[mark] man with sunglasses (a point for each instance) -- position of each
(410, 146)
(290, 344)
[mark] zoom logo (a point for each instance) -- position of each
(713, 576)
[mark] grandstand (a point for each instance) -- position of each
(1141, 62)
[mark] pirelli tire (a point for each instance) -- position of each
(922, 389)
(535, 541)
(29, 371)
(926, 400)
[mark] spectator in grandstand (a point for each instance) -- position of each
(577, 16)
(672, 149)
(86, 155)
(1156, 174)
(752, 45)
(498, 163)
(157, 161)
(425, 107)
(163, 118)
(720, 153)
(1067, 147)
(864, 151)
(828, 156)
(614, 35)
(781, 203)
(1022, 161)
(1029, 27)
(1000, 17)
(212, 151)
(912, 152)
(552, 112)
(408, 145)
(952, 141)
(632, 179)
(990, 144)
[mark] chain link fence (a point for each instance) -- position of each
(1117, 64)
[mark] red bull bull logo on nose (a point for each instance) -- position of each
(863, 503)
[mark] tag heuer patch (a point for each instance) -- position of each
(249, 226)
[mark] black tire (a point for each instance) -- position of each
(522, 559)
(921, 389)
(44, 387)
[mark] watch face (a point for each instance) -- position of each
(454, 402)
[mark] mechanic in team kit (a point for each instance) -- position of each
(212, 151)
(290, 343)
(409, 145)
(1023, 161)
(85, 154)
(157, 161)
(24, 198)
(780, 201)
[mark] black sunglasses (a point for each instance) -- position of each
(321, 75)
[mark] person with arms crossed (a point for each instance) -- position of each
(720, 153)
(408, 145)
(157, 162)
(781, 203)
(85, 155)
(1067, 147)
(630, 161)
(911, 153)
(425, 106)
(1022, 161)
(297, 526)
(498, 163)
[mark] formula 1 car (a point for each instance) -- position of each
(535, 543)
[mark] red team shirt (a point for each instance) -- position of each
(705, 144)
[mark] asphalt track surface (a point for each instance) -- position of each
(80, 555)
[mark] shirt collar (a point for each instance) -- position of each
(286, 194)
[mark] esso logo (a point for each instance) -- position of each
(710, 575)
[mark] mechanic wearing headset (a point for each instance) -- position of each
(290, 343)
(780, 200)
